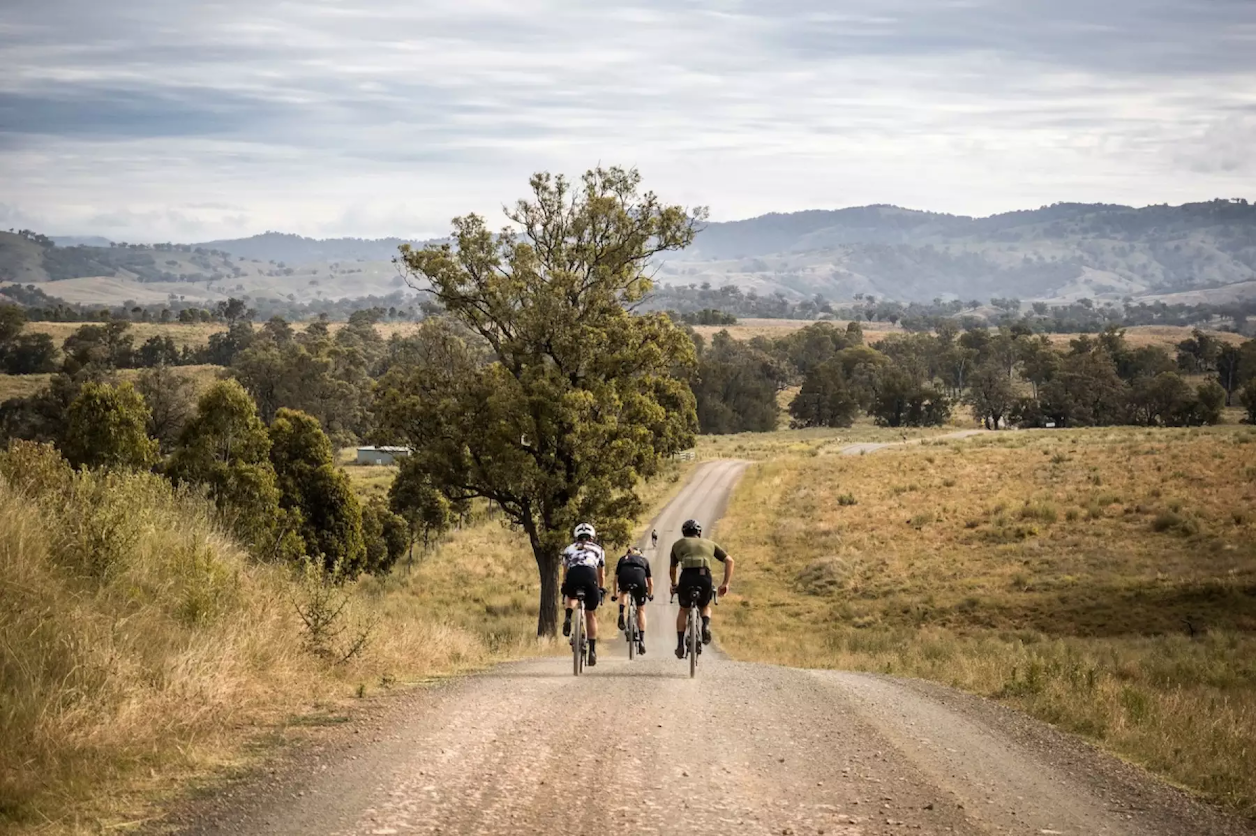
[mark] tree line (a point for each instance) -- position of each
(39, 306)
(1008, 376)
(275, 484)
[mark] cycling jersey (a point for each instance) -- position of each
(583, 554)
(632, 564)
(696, 553)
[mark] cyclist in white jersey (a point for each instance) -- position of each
(584, 569)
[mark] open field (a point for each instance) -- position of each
(746, 329)
(24, 385)
(1103, 580)
(193, 335)
(813, 441)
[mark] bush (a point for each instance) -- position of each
(1175, 523)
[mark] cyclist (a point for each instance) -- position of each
(584, 568)
(692, 556)
(632, 577)
(654, 538)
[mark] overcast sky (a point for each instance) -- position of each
(149, 120)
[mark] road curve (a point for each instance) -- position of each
(638, 747)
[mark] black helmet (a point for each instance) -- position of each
(691, 528)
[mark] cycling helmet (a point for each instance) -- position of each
(691, 528)
(585, 530)
(634, 550)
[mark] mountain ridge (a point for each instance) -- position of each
(1063, 251)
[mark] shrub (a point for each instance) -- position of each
(1173, 522)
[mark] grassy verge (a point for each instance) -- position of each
(1103, 580)
(140, 648)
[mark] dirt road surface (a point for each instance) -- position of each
(639, 747)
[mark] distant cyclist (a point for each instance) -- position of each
(654, 538)
(632, 577)
(584, 569)
(692, 556)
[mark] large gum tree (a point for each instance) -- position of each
(541, 390)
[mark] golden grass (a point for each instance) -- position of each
(748, 329)
(1103, 580)
(1167, 336)
(815, 441)
(139, 641)
(139, 647)
(1139, 335)
(25, 385)
(194, 335)
(21, 385)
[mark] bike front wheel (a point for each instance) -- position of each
(577, 642)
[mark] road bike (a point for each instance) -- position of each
(693, 626)
(632, 621)
(579, 639)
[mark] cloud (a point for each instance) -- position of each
(137, 117)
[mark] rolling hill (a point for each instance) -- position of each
(1201, 252)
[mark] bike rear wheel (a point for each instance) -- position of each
(693, 639)
(631, 631)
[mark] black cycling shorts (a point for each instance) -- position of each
(632, 580)
(694, 581)
(583, 578)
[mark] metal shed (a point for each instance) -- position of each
(381, 455)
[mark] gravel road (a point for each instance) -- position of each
(638, 747)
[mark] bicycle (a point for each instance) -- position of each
(693, 627)
(631, 631)
(579, 641)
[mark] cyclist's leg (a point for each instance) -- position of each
(708, 593)
(641, 614)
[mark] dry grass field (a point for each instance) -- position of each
(813, 441)
(24, 385)
(1103, 580)
(195, 335)
(1137, 336)
(142, 648)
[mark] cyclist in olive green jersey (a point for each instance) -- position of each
(692, 556)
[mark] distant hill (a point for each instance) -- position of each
(1205, 252)
(295, 249)
(1065, 251)
(80, 241)
(150, 274)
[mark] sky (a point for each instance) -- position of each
(159, 120)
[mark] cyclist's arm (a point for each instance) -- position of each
(601, 576)
(649, 585)
(722, 557)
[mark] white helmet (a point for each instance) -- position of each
(585, 530)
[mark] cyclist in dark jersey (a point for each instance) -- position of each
(692, 556)
(632, 577)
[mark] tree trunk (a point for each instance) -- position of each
(547, 564)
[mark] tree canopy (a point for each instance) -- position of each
(559, 399)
